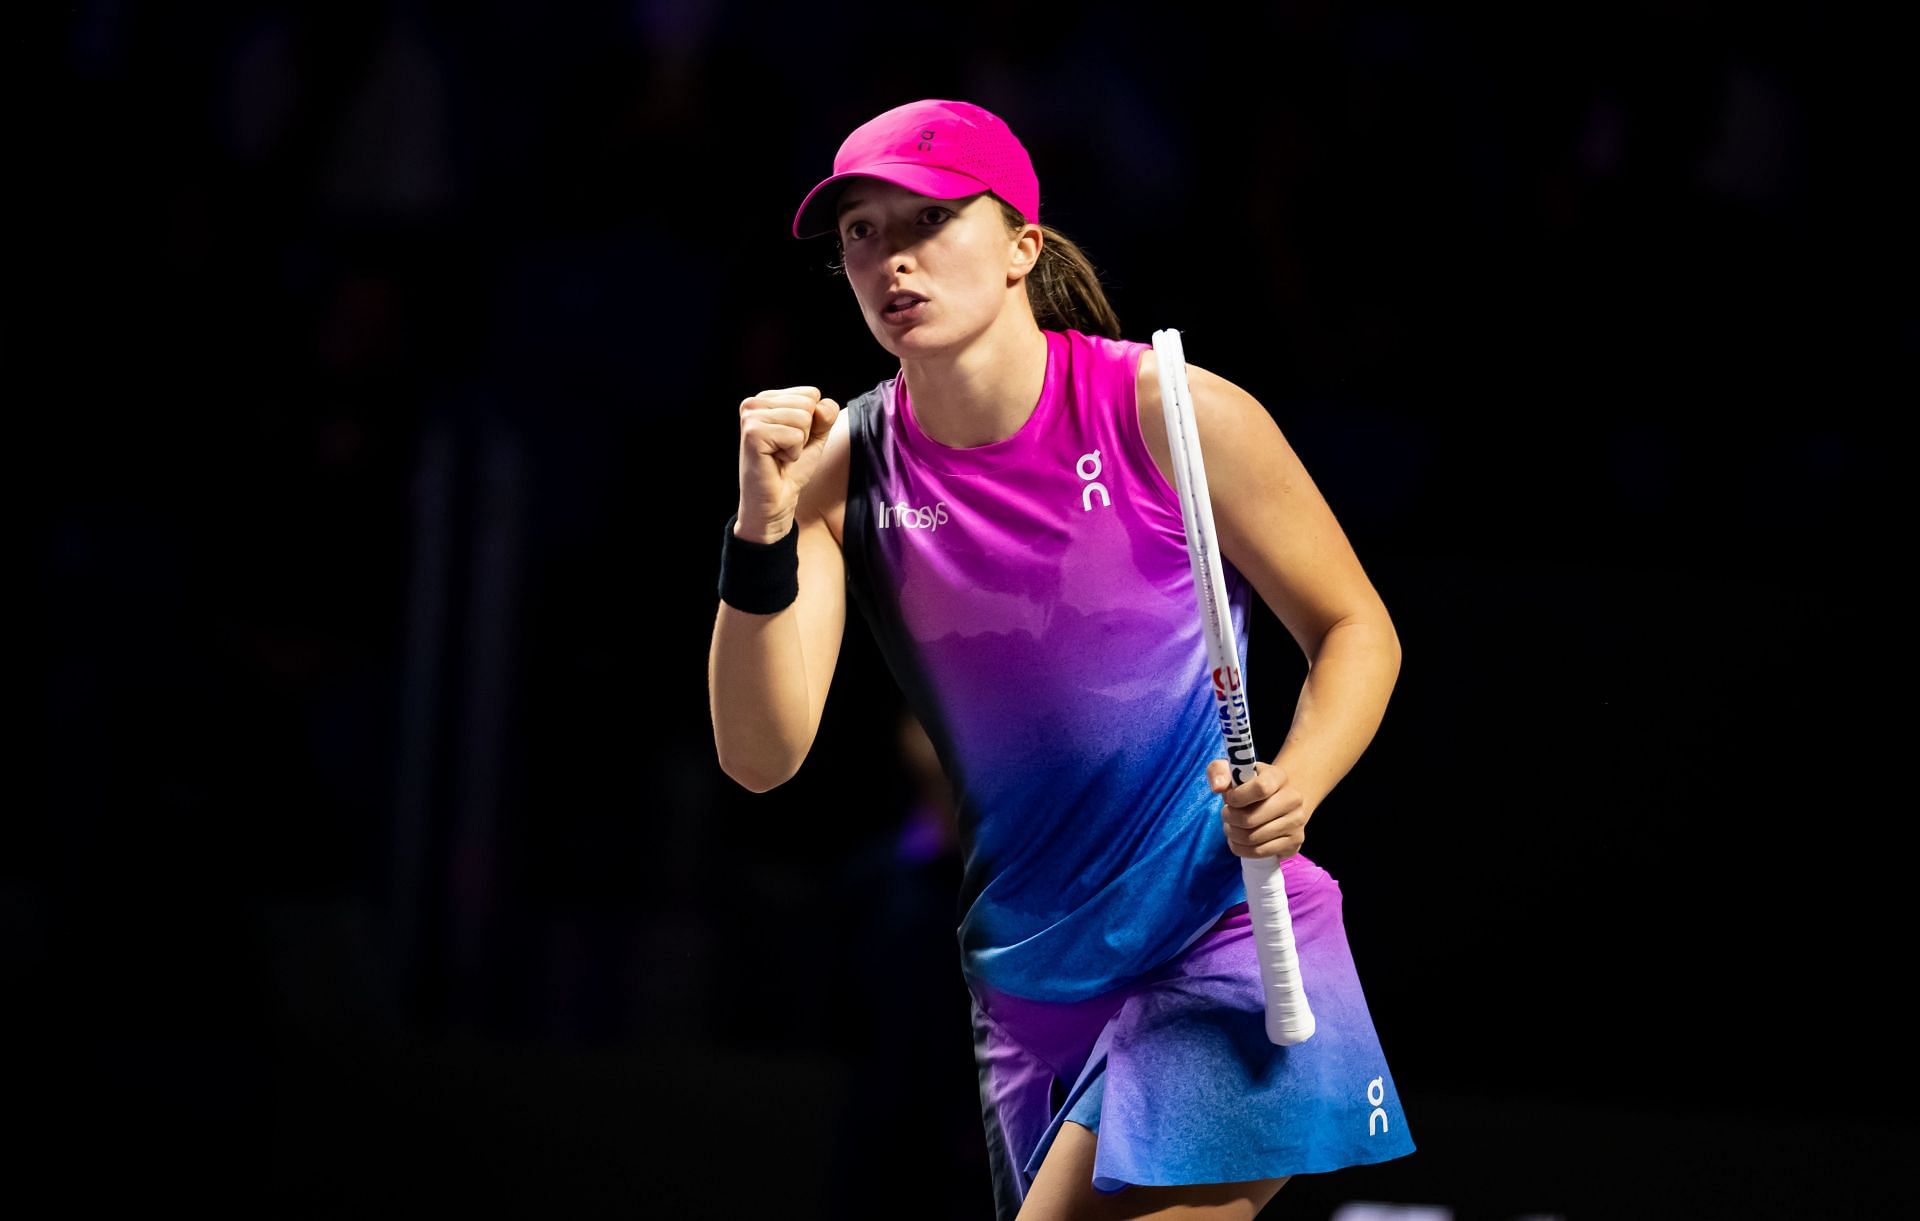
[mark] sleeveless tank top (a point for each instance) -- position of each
(1034, 601)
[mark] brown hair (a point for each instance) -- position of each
(1063, 288)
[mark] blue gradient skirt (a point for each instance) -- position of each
(1176, 1074)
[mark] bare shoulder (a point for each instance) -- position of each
(1210, 393)
(1272, 521)
(826, 493)
(1214, 400)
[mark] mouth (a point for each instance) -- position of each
(902, 302)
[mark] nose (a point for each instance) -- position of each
(900, 262)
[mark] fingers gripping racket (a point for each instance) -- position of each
(1289, 1020)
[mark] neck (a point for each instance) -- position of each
(984, 392)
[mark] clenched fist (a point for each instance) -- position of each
(783, 434)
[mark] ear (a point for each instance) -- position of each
(1026, 252)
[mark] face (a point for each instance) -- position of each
(956, 253)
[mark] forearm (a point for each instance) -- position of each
(1341, 706)
(757, 693)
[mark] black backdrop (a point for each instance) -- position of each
(378, 366)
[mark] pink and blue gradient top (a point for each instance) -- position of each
(1034, 600)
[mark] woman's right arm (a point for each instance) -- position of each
(768, 675)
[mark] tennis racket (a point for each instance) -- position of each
(1289, 1020)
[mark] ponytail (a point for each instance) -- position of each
(1063, 288)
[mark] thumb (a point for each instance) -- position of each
(823, 417)
(1219, 778)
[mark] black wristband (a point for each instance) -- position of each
(760, 578)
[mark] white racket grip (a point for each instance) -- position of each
(1289, 1019)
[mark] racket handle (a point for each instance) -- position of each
(1289, 1020)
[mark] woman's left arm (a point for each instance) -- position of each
(1276, 528)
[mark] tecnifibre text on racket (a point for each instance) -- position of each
(1289, 1020)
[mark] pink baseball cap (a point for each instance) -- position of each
(935, 147)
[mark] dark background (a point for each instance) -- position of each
(378, 369)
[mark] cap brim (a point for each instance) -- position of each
(816, 217)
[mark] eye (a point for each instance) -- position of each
(853, 228)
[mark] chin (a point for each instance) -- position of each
(911, 339)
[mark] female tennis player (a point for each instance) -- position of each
(1003, 511)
